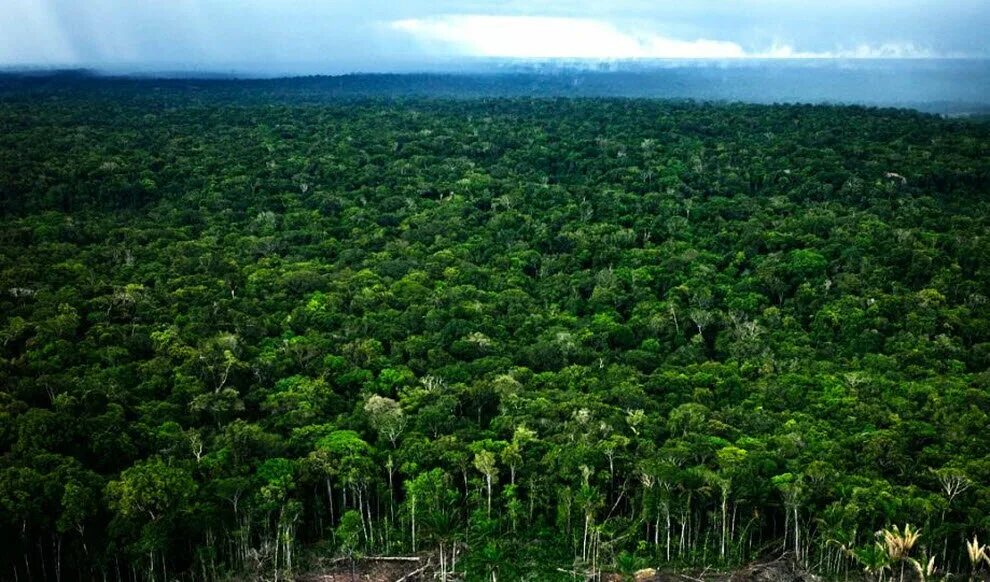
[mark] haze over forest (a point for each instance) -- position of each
(913, 53)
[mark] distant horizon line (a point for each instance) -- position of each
(446, 65)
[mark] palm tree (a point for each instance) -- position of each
(977, 554)
(925, 572)
(874, 560)
(844, 541)
(898, 544)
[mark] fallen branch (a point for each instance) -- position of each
(693, 579)
(415, 572)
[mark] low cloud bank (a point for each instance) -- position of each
(545, 37)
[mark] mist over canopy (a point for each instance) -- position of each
(348, 35)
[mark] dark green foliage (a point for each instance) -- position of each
(242, 335)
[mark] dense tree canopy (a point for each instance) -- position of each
(251, 335)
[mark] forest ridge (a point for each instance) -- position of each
(246, 336)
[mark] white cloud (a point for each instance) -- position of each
(558, 37)
(553, 37)
(863, 51)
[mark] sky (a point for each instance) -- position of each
(376, 35)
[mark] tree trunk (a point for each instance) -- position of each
(584, 537)
(732, 525)
(360, 508)
(371, 523)
(41, 554)
(443, 564)
(288, 548)
(413, 513)
(330, 499)
(488, 482)
(277, 525)
(391, 494)
(787, 528)
(58, 557)
(667, 515)
(725, 523)
(797, 536)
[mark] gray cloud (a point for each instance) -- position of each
(341, 35)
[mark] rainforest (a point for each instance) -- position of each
(265, 331)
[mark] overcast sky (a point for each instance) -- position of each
(344, 35)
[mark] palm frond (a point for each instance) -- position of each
(899, 543)
(977, 552)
